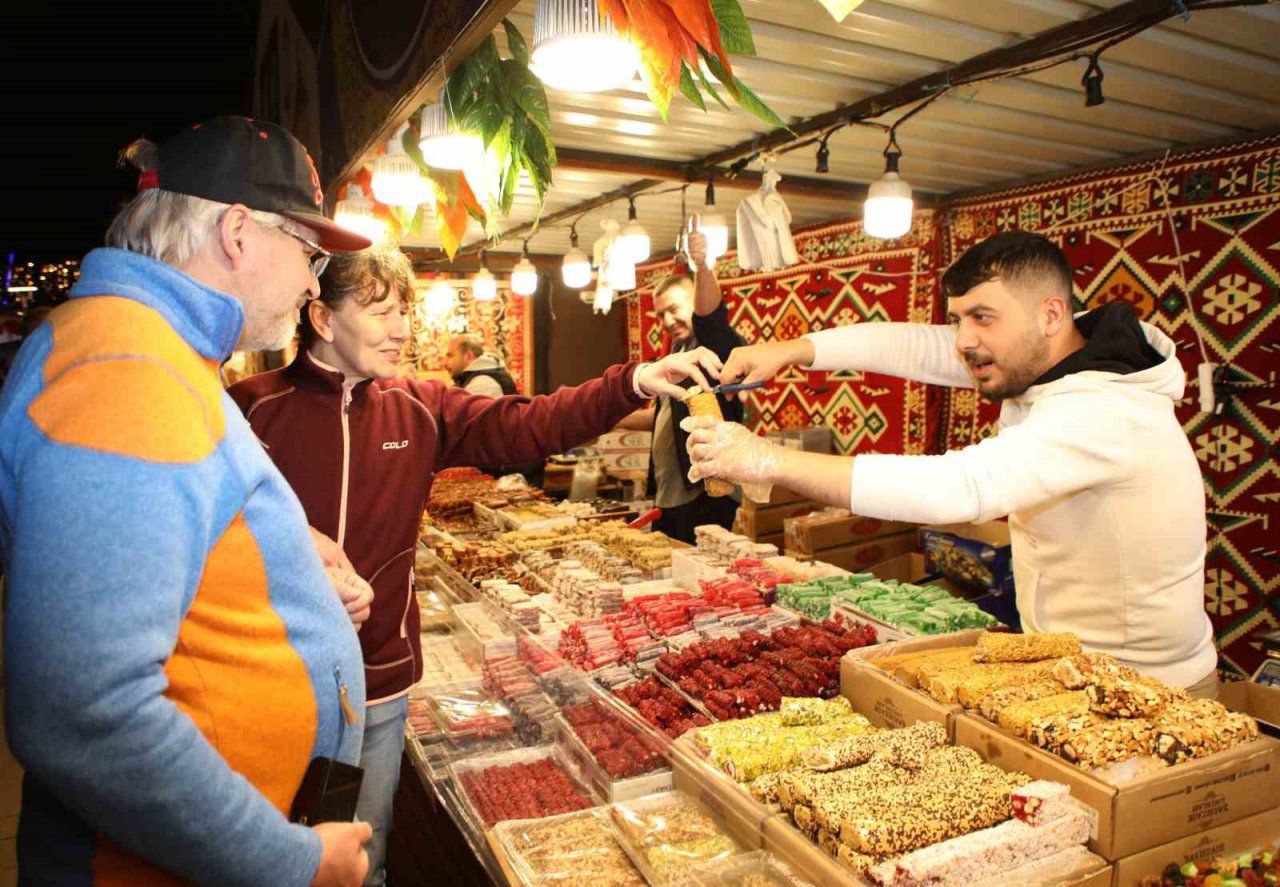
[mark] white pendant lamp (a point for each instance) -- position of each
(576, 49)
(524, 276)
(633, 242)
(484, 286)
(603, 300)
(396, 179)
(355, 211)
(576, 269)
(888, 207)
(442, 145)
(713, 226)
(619, 270)
(440, 299)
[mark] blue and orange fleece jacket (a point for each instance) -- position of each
(174, 653)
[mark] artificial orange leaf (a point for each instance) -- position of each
(649, 32)
(616, 13)
(681, 40)
(467, 199)
(697, 17)
(451, 224)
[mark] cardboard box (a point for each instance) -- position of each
(1151, 810)
(733, 809)
(858, 558)
(815, 532)
(1242, 836)
(624, 440)
(911, 568)
(975, 556)
(1260, 701)
(887, 702)
(777, 496)
(768, 521)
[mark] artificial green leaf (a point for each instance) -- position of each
(690, 88)
(752, 102)
(515, 42)
(527, 91)
(404, 215)
(735, 32)
(717, 69)
(706, 84)
(510, 179)
(540, 156)
(492, 118)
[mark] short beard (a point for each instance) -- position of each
(271, 338)
(1027, 366)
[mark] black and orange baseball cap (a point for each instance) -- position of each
(247, 161)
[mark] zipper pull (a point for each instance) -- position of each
(346, 399)
(344, 699)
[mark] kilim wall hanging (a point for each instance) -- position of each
(505, 326)
(843, 277)
(1211, 217)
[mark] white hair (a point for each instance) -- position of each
(165, 225)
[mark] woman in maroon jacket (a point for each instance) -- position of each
(361, 447)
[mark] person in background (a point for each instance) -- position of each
(175, 657)
(692, 314)
(361, 446)
(475, 371)
(1103, 492)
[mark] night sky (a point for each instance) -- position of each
(81, 81)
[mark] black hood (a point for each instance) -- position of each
(1114, 343)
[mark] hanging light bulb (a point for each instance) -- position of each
(1092, 83)
(524, 276)
(396, 180)
(887, 210)
(713, 225)
(619, 270)
(355, 211)
(576, 49)
(484, 286)
(440, 299)
(633, 242)
(442, 145)
(576, 269)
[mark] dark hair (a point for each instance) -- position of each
(1024, 261)
(671, 280)
(368, 276)
(470, 344)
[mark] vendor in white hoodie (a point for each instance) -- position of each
(1103, 493)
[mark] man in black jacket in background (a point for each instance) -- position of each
(692, 314)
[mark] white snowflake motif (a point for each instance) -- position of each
(1224, 594)
(1232, 298)
(1224, 449)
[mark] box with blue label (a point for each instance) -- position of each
(976, 557)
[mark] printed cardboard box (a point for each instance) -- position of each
(886, 701)
(1242, 836)
(815, 532)
(1151, 810)
(859, 558)
(768, 521)
(974, 556)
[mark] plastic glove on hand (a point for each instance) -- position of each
(661, 377)
(729, 451)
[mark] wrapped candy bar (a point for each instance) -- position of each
(905, 748)
(1041, 801)
(968, 683)
(1007, 647)
(1196, 728)
(1019, 719)
(995, 701)
(573, 850)
(1110, 740)
(981, 854)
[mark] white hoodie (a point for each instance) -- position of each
(1103, 493)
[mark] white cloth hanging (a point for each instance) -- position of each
(764, 228)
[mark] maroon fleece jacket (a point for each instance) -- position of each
(363, 470)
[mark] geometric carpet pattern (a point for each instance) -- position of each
(504, 326)
(1193, 242)
(843, 277)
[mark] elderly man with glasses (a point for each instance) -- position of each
(176, 659)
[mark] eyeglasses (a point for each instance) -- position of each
(318, 257)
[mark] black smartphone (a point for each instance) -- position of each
(329, 792)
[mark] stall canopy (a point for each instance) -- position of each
(1212, 74)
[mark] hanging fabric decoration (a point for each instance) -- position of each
(764, 227)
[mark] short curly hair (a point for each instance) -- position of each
(369, 276)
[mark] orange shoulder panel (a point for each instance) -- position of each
(120, 380)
